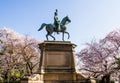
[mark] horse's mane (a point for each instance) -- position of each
(63, 20)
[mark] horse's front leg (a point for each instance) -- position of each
(68, 34)
(63, 36)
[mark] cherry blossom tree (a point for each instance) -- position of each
(99, 57)
(19, 53)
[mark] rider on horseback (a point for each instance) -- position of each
(56, 27)
(56, 21)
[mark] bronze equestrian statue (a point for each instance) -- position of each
(56, 27)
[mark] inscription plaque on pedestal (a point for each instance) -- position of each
(56, 59)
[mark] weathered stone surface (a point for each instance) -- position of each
(57, 56)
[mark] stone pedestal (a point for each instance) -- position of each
(57, 63)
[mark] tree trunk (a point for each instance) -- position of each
(106, 78)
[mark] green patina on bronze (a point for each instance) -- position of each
(57, 26)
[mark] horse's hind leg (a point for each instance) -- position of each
(47, 36)
(52, 36)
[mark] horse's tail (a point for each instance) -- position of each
(42, 26)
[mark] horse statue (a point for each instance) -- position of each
(50, 28)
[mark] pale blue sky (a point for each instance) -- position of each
(91, 19)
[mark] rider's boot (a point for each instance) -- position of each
(58, 28)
